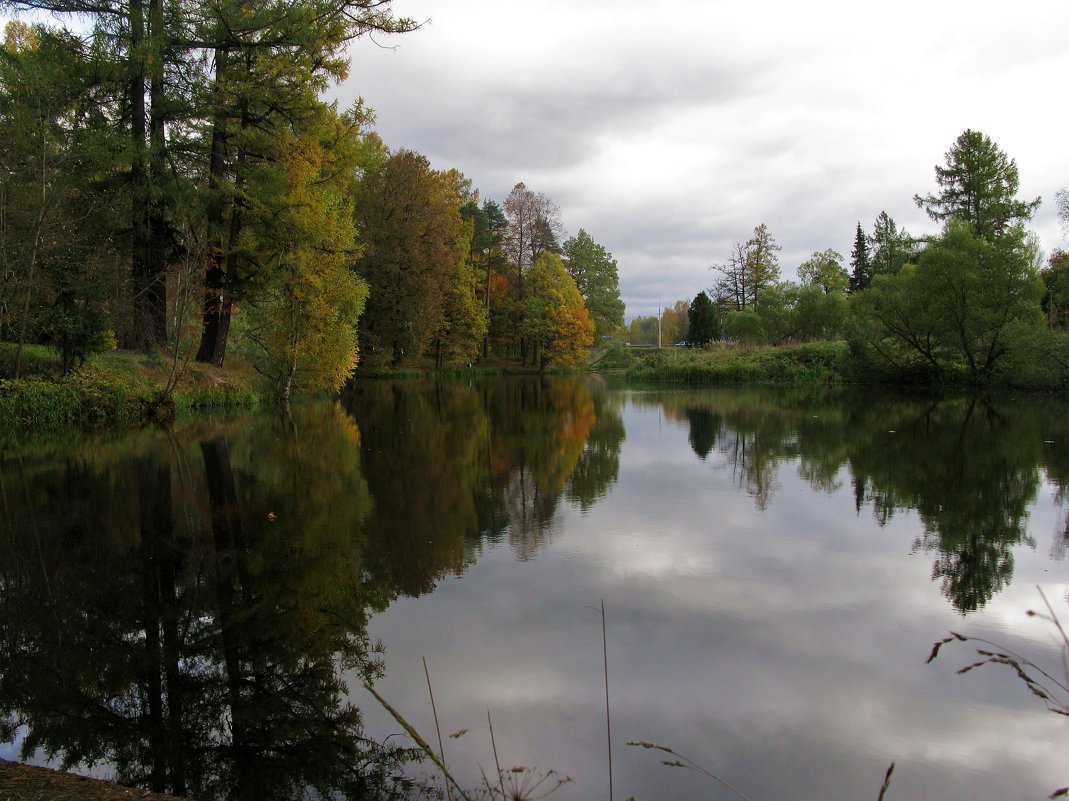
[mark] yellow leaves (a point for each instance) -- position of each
(300, 228)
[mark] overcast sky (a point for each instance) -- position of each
(668, 131)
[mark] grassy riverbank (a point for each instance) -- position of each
(1044, 368)
(115, 387)
(816, 362)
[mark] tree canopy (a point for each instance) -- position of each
(978, 185)
(594, 270)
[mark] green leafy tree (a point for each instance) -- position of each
(968, 302)
(488, 260)
(462, 334)
(57, 259)
(554, 315)
(594, 270)
(978, 185)
(704, 321)
(818, 314)
(825, 270)
(643, 330)
(775, 310)
(889, 247)
(744, 326)
(860, 265)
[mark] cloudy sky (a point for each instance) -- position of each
(668, 131)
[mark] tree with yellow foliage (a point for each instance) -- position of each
(554, 316)
(302, 321)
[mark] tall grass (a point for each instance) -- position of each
(721, 363)
(524, 784)
(1050, 688)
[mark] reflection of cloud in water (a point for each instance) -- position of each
(782, 649)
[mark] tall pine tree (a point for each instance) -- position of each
(860, 267)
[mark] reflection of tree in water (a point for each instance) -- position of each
(969, 470)
(1056, 471)
(469, 463)
(599, 465)
(705, 425)
(541, 433)
(154, 617)
(970, 473)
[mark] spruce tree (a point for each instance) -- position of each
(704, 322)
(861, 272)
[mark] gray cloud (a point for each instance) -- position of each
(669, 133)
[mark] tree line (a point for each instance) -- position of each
(172, 178)
(972, 300)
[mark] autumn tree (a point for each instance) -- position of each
(555, 318)
(978, 185)
(752, 267)
(269, 63)
(594, 270)
(415, 241)
(674, 322)
(303, 319)
(533, 228)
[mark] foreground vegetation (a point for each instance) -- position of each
(116, 387)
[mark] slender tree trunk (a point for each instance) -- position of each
(149, 282)
(216, 318)
(39, 224)
(158, 235)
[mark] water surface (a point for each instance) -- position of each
(195, 608)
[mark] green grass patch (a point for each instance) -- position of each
(115, 388)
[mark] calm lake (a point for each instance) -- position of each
(196, 609)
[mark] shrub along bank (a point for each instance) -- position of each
(1043, 367)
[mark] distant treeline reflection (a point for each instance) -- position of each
(969, 466)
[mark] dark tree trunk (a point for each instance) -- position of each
(216, 314)
(147, 224)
